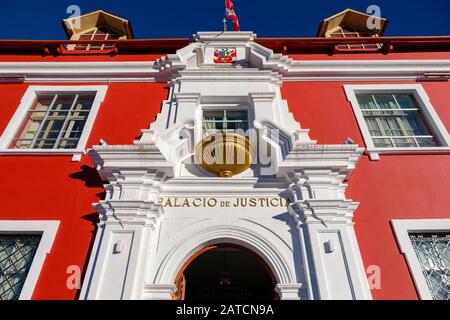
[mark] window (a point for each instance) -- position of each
(24, 245)
(425, 244)
(53, 119)
(16, 255)
(350, 32)
(433, 252)
(224, 121)
(101, 33)
(397, 118)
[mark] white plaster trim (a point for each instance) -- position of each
(363, 67)
(291, 70)
(26, 102)
(402, 228)
(267, 245)
(423, 100)
(119, 68)
(47, 229)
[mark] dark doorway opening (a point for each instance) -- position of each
(226, 273)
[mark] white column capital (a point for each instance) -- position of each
(192, 97)
(289, 291)
(262, 96)
(159, 291)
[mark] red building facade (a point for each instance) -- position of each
(347, 92)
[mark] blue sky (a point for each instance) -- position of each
(26, 19)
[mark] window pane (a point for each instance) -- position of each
(382, 143)
(427, 142)
(433, 253)
(237, 115)
(49, 133)
(374, 128)
(366, 101)
(233, 126)
(213, 115)
(64, 102)
(415, 123)
(85, 101)
(404, 142)
(16, 256)
(405, 101)
(386, 101)
(43, 102)
(72, 133)
(391, 126)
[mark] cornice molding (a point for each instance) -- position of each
(129, 212)
(309, 155)
(110, 158)
(323, 211)
(288, 69)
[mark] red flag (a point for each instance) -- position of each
(231, 15)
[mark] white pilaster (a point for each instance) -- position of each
(336, 270)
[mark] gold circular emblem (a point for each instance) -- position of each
(224, 154)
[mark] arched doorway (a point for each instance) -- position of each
(225, 273)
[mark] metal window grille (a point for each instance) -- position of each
(350, 32)
(16, 256)
(224, 121)
(101, 33)
(395, 121)
(55, 121)
(433, 252)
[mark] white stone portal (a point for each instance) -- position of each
(289, 208)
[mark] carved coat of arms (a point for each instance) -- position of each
(224, 55)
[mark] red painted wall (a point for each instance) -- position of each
(55, 188)
(395, 187)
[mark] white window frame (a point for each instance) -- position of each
(402, 229)
(25, 105)
(47, 229)
(432, 118)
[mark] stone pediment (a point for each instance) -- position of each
(224, 52)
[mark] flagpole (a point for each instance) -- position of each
(224, 24)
